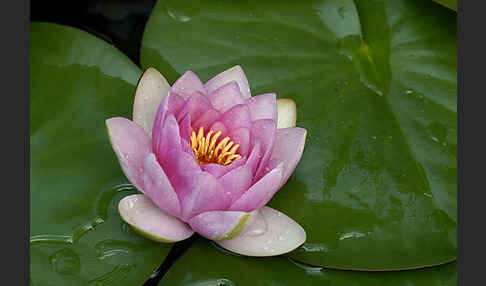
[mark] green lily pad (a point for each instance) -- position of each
(76, 234)
(375, 86)
(203, 265)
(451, 4)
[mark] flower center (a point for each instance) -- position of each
(207, 151)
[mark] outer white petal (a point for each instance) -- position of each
(268, 233)
(151, 88)
(287, 113)
(150, 221)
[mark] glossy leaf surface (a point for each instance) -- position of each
(375, 86)
(76, 234)
(203, 265)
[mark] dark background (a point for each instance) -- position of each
(119, 22)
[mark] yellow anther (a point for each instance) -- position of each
(231, 158)
(201, 142)
(233, 150)
(224, 152)
(206, 140)
(200, 134)
(213, 143)
(208, 150)
(220, 146)
(193, 138)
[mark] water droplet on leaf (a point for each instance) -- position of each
(65, 261)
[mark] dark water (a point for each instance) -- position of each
(119, 22)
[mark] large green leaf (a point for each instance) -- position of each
(77, 236)
(204, 265)
(375, 86)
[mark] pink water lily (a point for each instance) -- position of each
(208, 158)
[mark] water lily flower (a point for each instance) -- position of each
(207, 158)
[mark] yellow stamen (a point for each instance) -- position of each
(207, 151)
(211, 146)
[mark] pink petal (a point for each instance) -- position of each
(159, 121)
(200, 192)
(178, 163)
(289, 146)
(218, 225)
(176, 102)
(131, 144)
(281, 236)
(226, 96)
(260, 193)
(219, 126)
(185, 128)
(236, 117)
(158, 187)
(255, 157)
(207, 119)
(218, 170)
(233, 74)
(169, 137)
(264, 130)
(241, 136)
(187, 148)
(263, 106)
(172, 104)
(151, 88)
(150, 221)
(236, 182)
(188, 84)
(195, 106)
